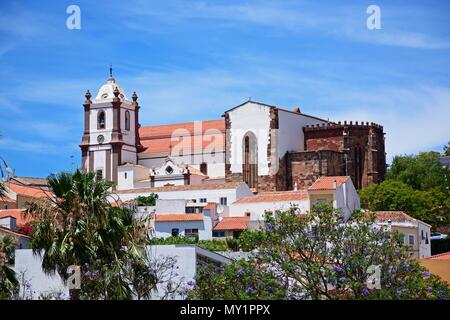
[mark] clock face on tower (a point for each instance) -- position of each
(100, 139)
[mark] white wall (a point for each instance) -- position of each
(164, 206)
(424, 248)
(212, 195)
(290, 134)
(164, 229)
(255, 118)
(40, 282)
(257, 209)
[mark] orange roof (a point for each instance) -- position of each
(206, 186)
(7, 199)
(27, 191)
(397, 216)
(157, 139)
(178, 217)
(326, 183)
(232, 224)
(441, 256)
(209, 206)
(275, 197)
(15, 213)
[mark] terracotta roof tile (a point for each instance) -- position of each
(157, 139)
(16, 213)
(232, 224)
(275, 197)
(178, 217)
(395, 216)
(326, 183)
(17, 234)
(27, 191)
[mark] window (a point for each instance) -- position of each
(5, 206)
(204, 168)
(190, 209)
(411, 239)
(99, 174)
(127, 120)
(421, 235)
(203, 200)
(101, 120)
(175, 232)
(191, 233)
(126, 175)
(169, 170)
(250, 161)
(426, 239)
(223, 201)
(218, 234)
(194, 200)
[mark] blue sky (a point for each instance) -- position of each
(191, 60)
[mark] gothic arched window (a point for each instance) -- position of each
(127, 120)
(250, 160)
(204, 168)
(101, 121)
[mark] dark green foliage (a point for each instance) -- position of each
(418, 185)
(147, 200)
(212, 245)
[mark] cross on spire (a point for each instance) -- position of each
(110, 70)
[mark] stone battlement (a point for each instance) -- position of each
(339, 125)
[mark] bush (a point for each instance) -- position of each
(147, 200)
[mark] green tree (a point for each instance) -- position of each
(421, 172)
(147, 200)
(447, 149)
(318, 256)
(431, 206)
(9, 285)
(80, 227)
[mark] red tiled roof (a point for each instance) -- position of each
(275, 197)
(326, 183)
(395, 216)
(232, 224)
(157, 139)
(16, 213)
(178, 217)
(17, 234)
(27, 191)
(442, 256)
(206, 186)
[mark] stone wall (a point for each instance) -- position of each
(362, 144)
(303, 168)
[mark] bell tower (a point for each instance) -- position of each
(110, 136)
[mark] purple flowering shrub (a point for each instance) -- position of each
(243, 280)
(319, 256)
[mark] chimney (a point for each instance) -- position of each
(334, 184)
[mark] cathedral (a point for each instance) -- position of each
(267, 147)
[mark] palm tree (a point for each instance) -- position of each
(8, 281)
(78, 226)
